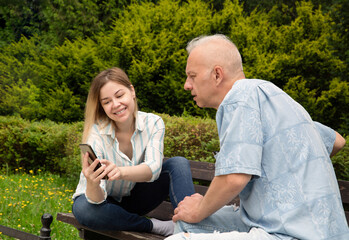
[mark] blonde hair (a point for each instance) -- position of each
(94, 112)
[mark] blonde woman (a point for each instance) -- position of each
(129, 145)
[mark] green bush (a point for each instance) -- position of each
(191, 137)
(148, 41)
(39, 145)
(54, 147)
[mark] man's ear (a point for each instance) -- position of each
(218, 73)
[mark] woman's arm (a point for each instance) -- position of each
(93, 179)
(138, 173)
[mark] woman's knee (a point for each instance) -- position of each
(177, 163)
(84, 211)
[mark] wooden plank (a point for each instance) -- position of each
(202, 170)
(11, 232)
(69, 218)
(344, 188)
(163, 212)
(87, 233)
(200, 189)
(126, 235)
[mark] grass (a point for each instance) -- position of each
(24, 197)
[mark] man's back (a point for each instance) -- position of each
(294, 191)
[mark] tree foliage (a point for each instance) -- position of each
(51, 51)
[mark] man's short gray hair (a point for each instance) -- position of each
(231, 55)
(203, 39)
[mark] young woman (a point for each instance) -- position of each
(129, 145)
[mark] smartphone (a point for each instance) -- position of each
(92, 156)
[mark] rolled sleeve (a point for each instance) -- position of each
(328, 136)
(155, 149)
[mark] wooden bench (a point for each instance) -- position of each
(202, 173)
(45, 231)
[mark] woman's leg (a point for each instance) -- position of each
(146, 196)
(175, 180)
(108, 216)
(181, 182)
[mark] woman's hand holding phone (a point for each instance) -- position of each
(91, 172)
(95, 169)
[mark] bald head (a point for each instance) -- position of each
(218, 50)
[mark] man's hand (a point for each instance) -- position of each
(188, 210)
(222, 190)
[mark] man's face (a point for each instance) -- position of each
(199, 79)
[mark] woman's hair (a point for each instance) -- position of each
(94, 112)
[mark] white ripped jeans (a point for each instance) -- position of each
(223, 225)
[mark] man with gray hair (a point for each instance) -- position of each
(271, 154)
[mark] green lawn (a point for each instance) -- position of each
(24, 197)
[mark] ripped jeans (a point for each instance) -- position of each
(222, 225)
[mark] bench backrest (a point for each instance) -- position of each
(203, 173)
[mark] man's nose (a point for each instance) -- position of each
(187, 85)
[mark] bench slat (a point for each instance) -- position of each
(92, 235)
(86, 233)
(163, 212)
(202, 170)
(344, 188)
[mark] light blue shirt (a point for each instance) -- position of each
(147, 148)
(293, 191)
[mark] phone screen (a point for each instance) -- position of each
(92, 156)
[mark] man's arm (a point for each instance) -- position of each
(338, 144)
(222, 190)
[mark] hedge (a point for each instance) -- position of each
(54, 147)
(293, 48)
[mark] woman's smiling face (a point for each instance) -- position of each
(118, 102)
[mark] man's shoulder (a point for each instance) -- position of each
(249, 85)
(244, 91)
